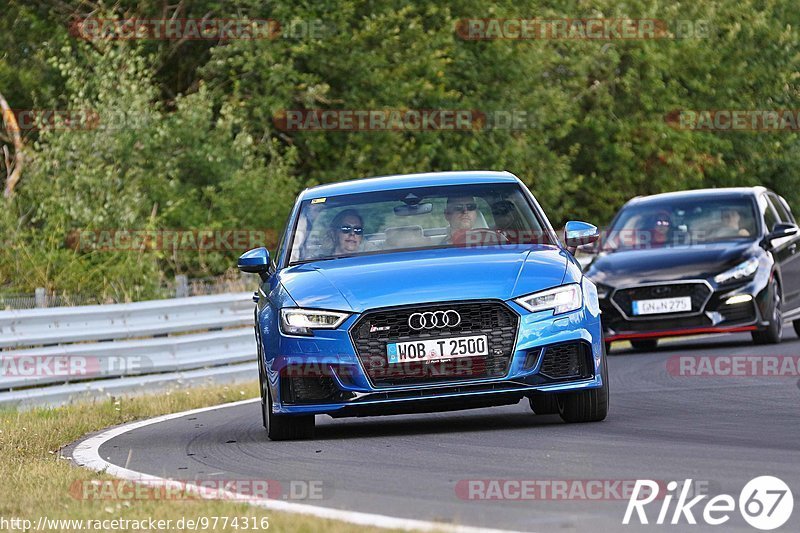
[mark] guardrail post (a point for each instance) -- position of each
(41, 297)
(181, 286)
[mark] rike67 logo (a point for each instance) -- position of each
(765, 502)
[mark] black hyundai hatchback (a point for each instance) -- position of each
(694, 262)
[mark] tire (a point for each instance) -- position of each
(262, 380)
(645, 345)
(774, 331)
(608, 347)
(589, 405)
(286, 427)
(544, 404)
(796, 324)
(280, 427)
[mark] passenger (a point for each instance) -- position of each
(461, 213)
(347, 232)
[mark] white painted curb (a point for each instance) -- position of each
(87, 454)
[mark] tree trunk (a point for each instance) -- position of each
(14, 171)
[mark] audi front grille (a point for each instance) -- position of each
(375, 329)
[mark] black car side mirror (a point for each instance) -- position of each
(781, 230)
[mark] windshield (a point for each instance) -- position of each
(413, 219)
(693, 222)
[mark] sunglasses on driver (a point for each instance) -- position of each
(347, 229)
(462, 208)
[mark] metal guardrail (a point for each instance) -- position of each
(54, 355)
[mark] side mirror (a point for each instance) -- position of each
(578, 234)
(781, 230)
(255, 261)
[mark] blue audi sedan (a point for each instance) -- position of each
(425, 292)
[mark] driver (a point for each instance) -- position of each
(461, 213)
(347, 232)
(657, 230)
(732, 222)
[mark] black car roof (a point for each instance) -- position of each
(729, 192)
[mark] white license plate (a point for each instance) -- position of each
(436, 349)
(662, 306)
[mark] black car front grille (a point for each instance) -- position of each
(699, 293)
(372, 332)
(567, 361)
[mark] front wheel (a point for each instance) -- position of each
(286, 427)
(280, 427)
(589, 405)
(544, 404)
(774, 331)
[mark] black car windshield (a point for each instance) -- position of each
(687, 222)
(416, 218)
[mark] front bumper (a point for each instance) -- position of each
(323, 374)
(711, 313)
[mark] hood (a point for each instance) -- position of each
(402, 278)
(630, 267)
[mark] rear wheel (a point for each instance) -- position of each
(645, 345)
(797, 327)
(589, 405)
(774, 331)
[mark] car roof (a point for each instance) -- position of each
(725, 192)
(402, 181)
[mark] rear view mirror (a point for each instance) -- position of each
(413, 209)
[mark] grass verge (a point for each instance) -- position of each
(35, 482)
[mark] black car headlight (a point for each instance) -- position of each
(297, 321)
(562, 299)
(742, 271)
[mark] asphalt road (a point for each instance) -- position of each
(720, 431)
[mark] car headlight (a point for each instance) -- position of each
(296, 321)
(561, 300)
(741, 271)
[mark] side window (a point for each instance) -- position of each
(781, 208)
(770, 218)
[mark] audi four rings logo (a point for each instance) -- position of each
(435, 319)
